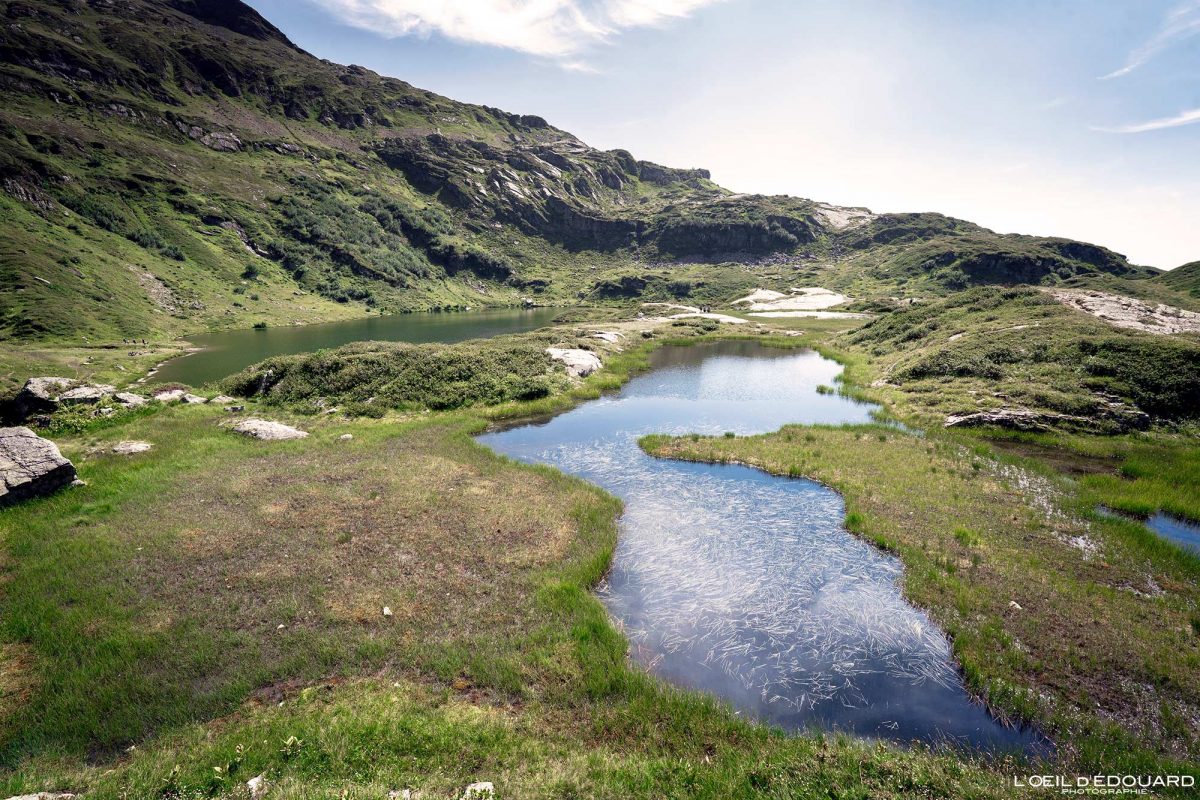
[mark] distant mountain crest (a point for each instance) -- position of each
(232, 14)
(166, 162)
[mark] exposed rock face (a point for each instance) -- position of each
(221, 142)
(579, 363)
(1021, 419)
(30, 466)
(1111, 413)
(268, 430)
(194, 399)
(1129, 312)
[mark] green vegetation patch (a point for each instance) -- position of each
(372, 377)
(991, 348)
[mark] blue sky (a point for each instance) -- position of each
(1062, 117)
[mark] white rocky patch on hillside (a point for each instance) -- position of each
(1128, 312)
(840, 218)
(810, 301)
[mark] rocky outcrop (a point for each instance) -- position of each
(129, 399)
(1112, 414)
(39, 396)
(579, 363)
(49, 394)
(30, 466)
(221, 142)
(86, 394)
(268, 430)
(1020, 419)
(1129, 312)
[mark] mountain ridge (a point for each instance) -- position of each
(188, 150)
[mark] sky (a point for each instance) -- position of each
(1076, 118)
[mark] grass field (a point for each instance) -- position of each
(124, 625)
(212, 610)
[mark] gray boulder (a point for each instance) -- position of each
(40, 396)
(129, 399)
(268, 430)
(86, 394)
(30, 466)
(579, 363)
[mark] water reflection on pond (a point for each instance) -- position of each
(746, 585)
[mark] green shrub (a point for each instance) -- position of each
(371, 377)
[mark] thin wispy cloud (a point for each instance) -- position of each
(555, 29)
(1181, 24)
(1183, 118)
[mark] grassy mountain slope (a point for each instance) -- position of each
(1184, 279)
(174, 166)
(994, 350)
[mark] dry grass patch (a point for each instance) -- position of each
(180, 582)
(17, 678)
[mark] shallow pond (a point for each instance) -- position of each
(746, 585)
(227, 352)
(1180, 531)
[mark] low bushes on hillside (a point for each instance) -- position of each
(992, 346)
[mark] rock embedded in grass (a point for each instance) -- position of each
(194, 399)
(579, 363)
(268, 430)
(130, 447)
(169, 395)
(30, 466)
(130, 400)
(85, 394)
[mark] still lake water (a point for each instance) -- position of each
(743, 584)
(227, 352)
